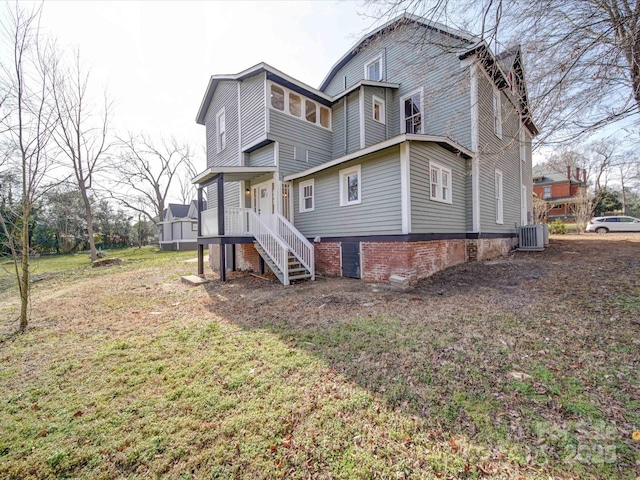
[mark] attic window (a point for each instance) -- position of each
(373, 69)
(295, 105)
(277, 98)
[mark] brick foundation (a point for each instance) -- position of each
(247, 257)
(327, 257)
(416, 260)
(380, 260)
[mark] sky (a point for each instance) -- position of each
(155, 57)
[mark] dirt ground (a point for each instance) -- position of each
(587, 260)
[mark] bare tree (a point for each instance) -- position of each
(628, 173)
(540, 210)
(187, 189)
(28, 129)
(82, 132)
(146, 173)
(582, 55)
(582, 206)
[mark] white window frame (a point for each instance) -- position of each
(344, 191)
(403, 123)
(440, 196)
(544, 191)
(301, 186)
(377, 59)
(383, 109)
(499, 194)
(303, 113)
(221, 134)
(497, 113)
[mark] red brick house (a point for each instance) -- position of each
(558, 189)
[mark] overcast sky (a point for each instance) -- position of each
(156, 57)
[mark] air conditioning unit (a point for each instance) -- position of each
(531, 238)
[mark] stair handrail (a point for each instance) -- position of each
(297, 243)
(273, 245)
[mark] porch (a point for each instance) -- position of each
(287, 252)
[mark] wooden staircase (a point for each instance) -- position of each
(295, 269)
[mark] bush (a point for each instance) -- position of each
(557, 227)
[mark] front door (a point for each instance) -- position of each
(263, 201)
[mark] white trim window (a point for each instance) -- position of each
(221, 130)
(497, 113)
(306, 194)
(440, 180)
(350, 186)
(378, 109)
(373, 69)
(411, 112)
(499, 198)
(298, 106)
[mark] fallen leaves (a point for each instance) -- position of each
(636, 435)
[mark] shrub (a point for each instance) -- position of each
(557, 227)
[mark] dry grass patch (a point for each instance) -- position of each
(518, 369)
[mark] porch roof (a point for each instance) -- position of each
(231, 174)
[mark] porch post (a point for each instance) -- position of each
(200, 246)
(223, 247)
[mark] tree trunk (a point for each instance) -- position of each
(24, 279)
(88, 215)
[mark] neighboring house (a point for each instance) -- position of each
(558, 189)
(179, 227)
(414, 154)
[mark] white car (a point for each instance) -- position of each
(613, 224)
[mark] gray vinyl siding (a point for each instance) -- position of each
(295, 157)
(339, 147)
(429, 216)
(166, 232)
(527, 175)
(415, 57)
(226, 96)
(379, 213)
(283, 127)
(263, 157)
(176, 232)
(253, 109)
(187, 231)
(502, 154)
(374, 132)
(353, 122)
(231, 195)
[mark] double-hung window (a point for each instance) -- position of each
(306, 196)
(350, 186)
(378, 109)
(440, 180)
(221, 128)
(546, 192)
(499, 198)
(411, 108)
(373, 69)
(497, 113)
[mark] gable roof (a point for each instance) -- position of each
(178, 210)
(404, 19)
(272, 74)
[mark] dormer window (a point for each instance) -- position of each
(373, 69)
(298, 106)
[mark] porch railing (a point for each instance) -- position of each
(277, 250)
(299, 245)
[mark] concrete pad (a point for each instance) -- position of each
(194, 280)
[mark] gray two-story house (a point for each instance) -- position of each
(413, 155)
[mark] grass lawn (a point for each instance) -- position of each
(525, 368)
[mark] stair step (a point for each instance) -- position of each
(299, 277)
(301, 269)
